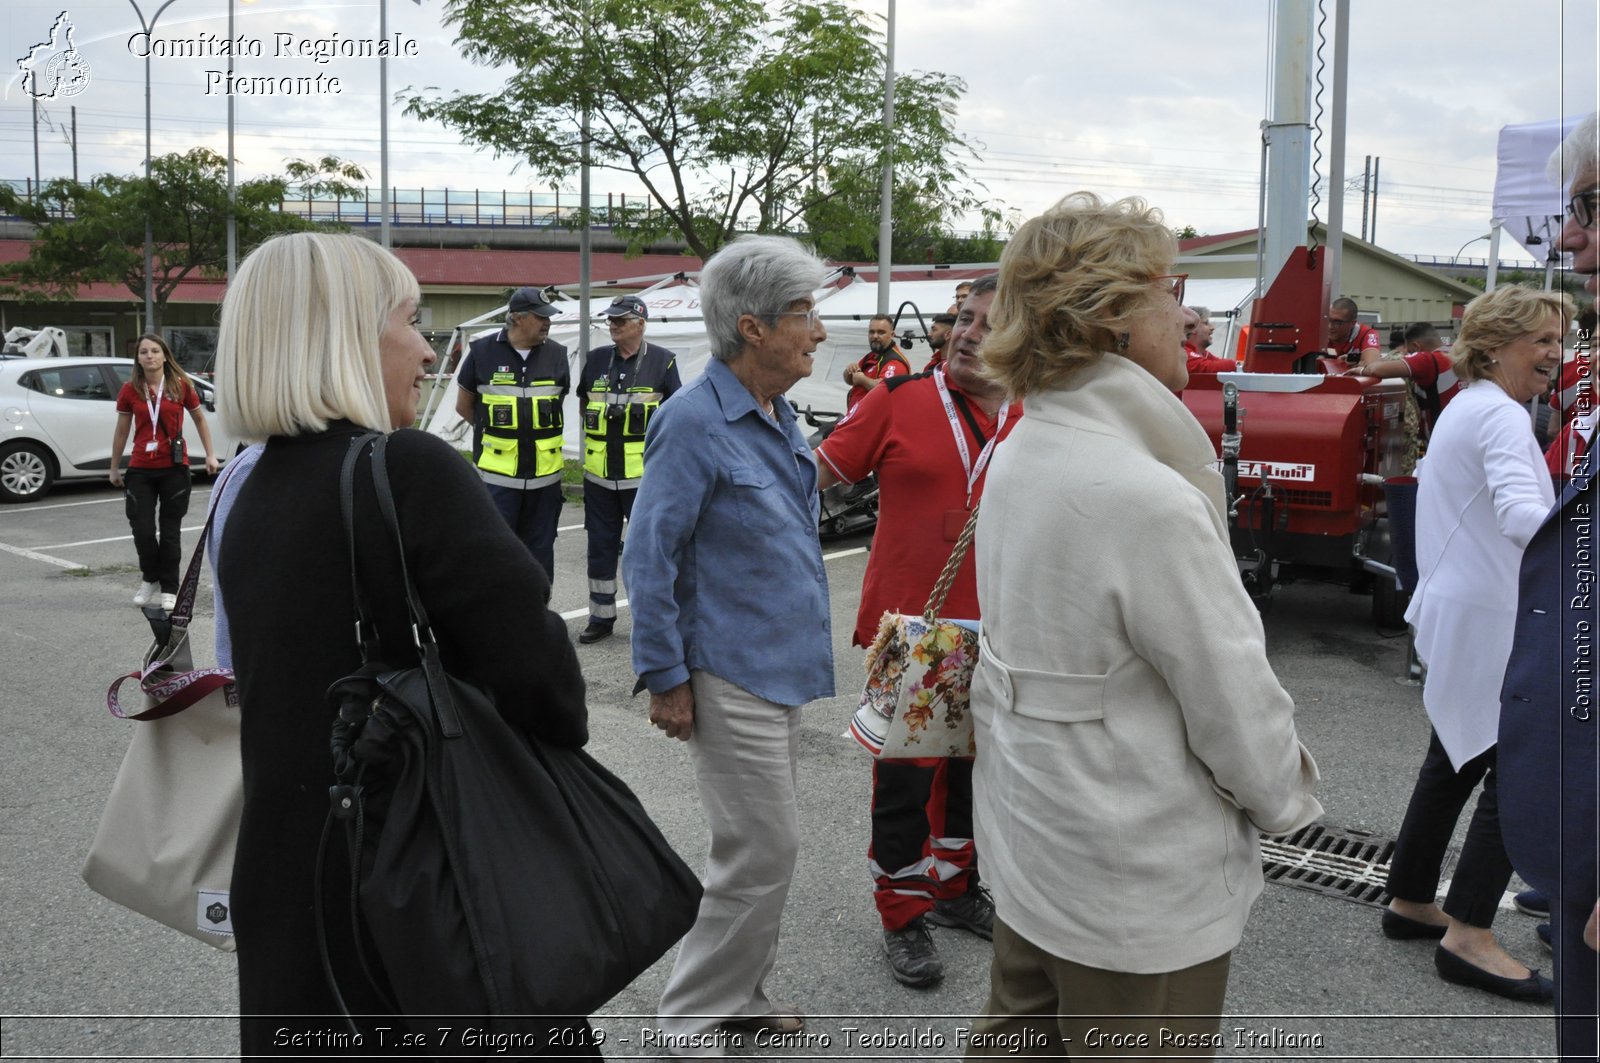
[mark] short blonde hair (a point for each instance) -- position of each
(1503, 316)
(298, 346)
(1071, 280)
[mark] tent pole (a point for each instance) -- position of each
(1494, 255)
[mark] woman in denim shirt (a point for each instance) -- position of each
(731, 621)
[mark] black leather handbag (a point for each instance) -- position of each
(494, 874)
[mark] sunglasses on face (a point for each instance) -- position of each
(1174, 282)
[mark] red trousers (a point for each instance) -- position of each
(921, 849)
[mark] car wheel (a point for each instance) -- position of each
(26, 472)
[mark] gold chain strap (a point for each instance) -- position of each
(941, 590)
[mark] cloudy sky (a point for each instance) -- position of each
(1159, 98)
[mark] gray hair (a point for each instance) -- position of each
(1204, 313)
(1580, 149)
(759, 275)
(987, 283)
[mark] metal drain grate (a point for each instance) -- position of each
(1350, 864)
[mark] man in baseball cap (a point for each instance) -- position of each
(621, 387)
(511, 386)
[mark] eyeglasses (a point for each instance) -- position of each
(1581, 208)
(812, 316)
(1176, 282)
(618, 322)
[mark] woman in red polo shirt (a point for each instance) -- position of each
(152, 403)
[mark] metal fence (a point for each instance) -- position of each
(423, 206)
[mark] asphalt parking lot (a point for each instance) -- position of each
(1313, 978)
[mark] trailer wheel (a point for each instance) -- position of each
(1389, 603)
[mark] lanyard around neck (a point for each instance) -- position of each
(973, 471)
(152, 401)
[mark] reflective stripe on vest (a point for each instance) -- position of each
(500, 458)
(540, 391)
(612, 485)
(614, 424)
(521, 485)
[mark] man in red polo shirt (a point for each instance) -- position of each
(1427, 366)
(929, 438)
(1348, 338)
(882, 361)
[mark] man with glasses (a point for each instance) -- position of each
(511, 388)
(928, 438)
(1347, 337)
(1547, 758)
(621, 385)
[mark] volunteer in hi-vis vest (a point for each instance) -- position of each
(621, 387)
(512, 384)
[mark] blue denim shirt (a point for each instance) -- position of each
(723, 564)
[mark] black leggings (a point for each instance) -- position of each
(1484, 870)
(146, 492)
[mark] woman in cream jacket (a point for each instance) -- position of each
(1132, 738)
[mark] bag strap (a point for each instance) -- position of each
(188, 590)
(175, 692)
(366, 632)
(941, 589)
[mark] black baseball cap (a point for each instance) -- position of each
(624, 305)
(530, 301)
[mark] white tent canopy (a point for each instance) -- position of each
(676, 323)
(1526, 204)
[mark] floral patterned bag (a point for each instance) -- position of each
(919, 669)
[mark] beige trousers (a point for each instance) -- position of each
(745, 751)
(1042, 1005)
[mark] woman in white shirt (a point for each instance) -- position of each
(1483, 491)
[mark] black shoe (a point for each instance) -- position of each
(1534, 989)
(594, 633)
(912, 957)
(1533, 902)
(1543, 930)
(973, 911)
(1397, 927)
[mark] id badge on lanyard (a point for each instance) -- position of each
(153, 404)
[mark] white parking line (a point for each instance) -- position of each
(198, 493)
(112, 539)
(34, 555)
(58, 505)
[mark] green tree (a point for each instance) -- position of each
(734, 118)
(94, 232)
(844, 225)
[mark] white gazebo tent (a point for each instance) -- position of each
(1526, 204)
(847, 304)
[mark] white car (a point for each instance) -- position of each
(57, 416)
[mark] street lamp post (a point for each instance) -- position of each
(149, 234)
(1457, 256)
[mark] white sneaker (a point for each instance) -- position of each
(169, 602)
(145, 592)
